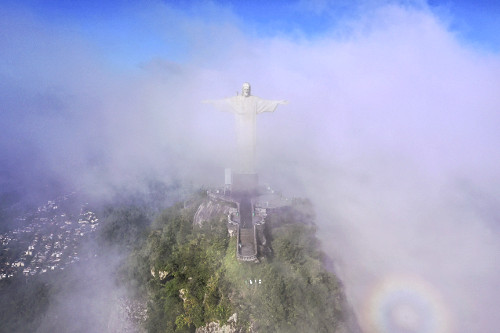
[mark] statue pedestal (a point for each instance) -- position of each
(245, 183)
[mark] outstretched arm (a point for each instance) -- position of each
(265, 105)
(220, 104)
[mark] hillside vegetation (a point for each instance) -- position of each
(191, 276)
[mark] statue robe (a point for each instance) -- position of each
(245, 110)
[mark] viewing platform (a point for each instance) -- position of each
(245, 216)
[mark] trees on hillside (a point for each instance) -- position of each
(206, 283)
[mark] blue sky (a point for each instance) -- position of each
(476, 21)
(122, 31)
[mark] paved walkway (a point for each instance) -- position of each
(246, 241)
(246, 213)
(247, 237)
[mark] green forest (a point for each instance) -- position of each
(198, 280)
(188, 275)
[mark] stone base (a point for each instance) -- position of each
(245, 183)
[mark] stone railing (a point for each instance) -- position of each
(233, 217)
(219, 195)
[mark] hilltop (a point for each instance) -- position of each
(151, 269)
(193, 280)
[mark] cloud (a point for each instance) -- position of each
(400, 126)
(392, 131)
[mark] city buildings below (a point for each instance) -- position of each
(48, 239)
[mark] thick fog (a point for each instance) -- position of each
(392, 130)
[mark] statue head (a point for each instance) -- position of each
(245, 90)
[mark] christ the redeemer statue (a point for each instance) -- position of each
(246, 108)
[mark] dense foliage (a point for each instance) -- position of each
(193, 277)
(189, 275)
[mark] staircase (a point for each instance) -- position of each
(247, 242)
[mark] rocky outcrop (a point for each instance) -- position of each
(215, 327)
(210, 209)
(162, 275)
